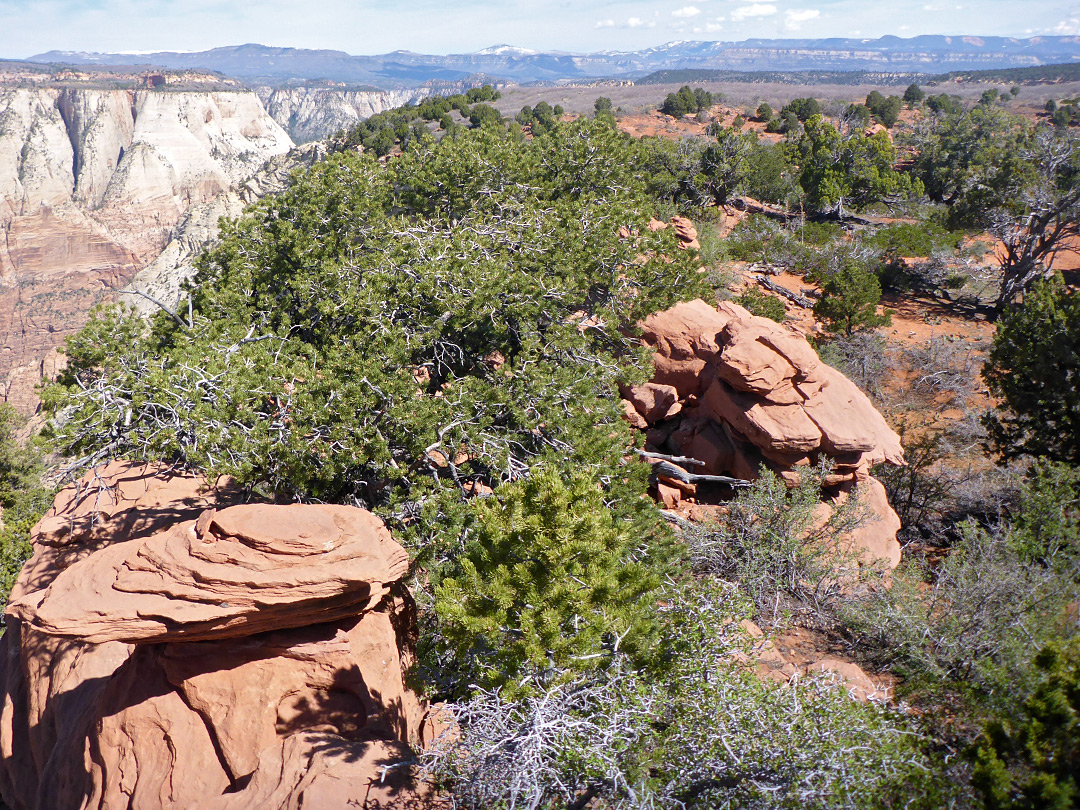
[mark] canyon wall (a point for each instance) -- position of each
(93, 184)
(313, 113)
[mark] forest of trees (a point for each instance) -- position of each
(440, 337)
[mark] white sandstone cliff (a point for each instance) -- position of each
(92, 186)
(312, 113)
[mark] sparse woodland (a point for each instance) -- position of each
(439, 337)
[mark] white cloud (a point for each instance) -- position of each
(632, 22)
(753, 10)
(794, 19)
(710, 27)
(686, 11)
(1069, 27)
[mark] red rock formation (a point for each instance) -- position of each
(168, 647)
(750, 393)
(684, 230)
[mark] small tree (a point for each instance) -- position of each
(484, 115)
(1034, 368)
(686, 102)
(853, 170)
(764, 112)
(548, 584)
(849, 299)
(604, 110)
(802, 108)
(914, 95)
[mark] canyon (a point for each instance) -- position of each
(93, 184)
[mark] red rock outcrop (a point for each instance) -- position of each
(684, 230)
(750, 393)
(169, 647)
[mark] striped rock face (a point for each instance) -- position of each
(170, 647)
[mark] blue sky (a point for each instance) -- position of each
(377, 26)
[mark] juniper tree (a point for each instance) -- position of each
(1034, 368)
(396, 336)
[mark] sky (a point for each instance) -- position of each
(28, 27)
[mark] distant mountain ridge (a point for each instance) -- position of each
(405, 69)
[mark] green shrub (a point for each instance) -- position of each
(763, 304)
(1046, 527)
(686, 102)
(345, 352)
(711, 735)
(849, 299)
(802, 108)
(912, 239)
(22, 497)
(547, 584)
(1033, 369)
(1031, 759)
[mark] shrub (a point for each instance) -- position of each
(1033, 369)
(549, 582)
(802, 108)
(885, 109)
(770, 176)
(971, 625)
(763, 304)
(914, 95)
(1046, 527)
(861, 357)
(768, 544)
(849, 299)
(397, 336)
(712, 735)
(686, 102)
(484, 115)
(1032, 757)
(22, 497)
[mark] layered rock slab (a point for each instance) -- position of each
(748, 394)
(169, 648)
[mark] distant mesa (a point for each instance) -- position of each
(402, 69)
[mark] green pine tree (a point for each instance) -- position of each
(549, 583)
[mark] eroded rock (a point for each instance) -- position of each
(753, 394)
(168, 647)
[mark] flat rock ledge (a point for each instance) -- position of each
(170, 647)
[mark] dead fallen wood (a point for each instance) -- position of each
(674, 459)
(794, 297)
(667, 470)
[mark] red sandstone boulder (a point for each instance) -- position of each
(653, 401)
(754, 394)
(182, 651)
